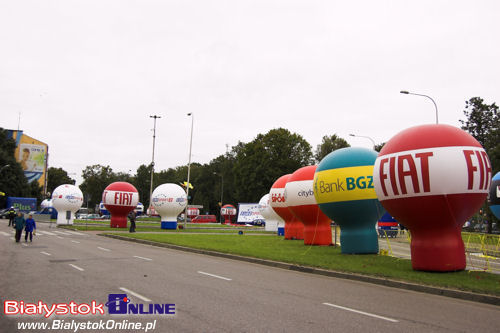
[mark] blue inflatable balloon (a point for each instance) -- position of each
(494, 195)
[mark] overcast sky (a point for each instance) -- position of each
(86, 75)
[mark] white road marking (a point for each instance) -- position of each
(60, 237)
(76, 267)
(49, 233)
(143, 258)
(62, 233)
(13, 238)
(215, 276)
(74, 241)
(4, 233)
(75, 233)
(46, 253)
(102, 248)
(362, 312)
(24, 244)
(128, 291)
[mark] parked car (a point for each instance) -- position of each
(205, 219)
(259, 222)
(4, 213)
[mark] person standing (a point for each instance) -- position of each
(29, 228)
(12, 215)
(19, 223)
(131, 216)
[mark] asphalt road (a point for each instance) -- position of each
(213, 294)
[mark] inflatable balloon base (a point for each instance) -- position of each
(281, 231)
(169, 225)
(318, 235)
(118, 222)
(437, 250)
(294, 230)
(358, 241)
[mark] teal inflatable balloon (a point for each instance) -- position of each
(343, 188)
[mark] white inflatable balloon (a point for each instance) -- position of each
(169, 200)
(273, 220)
(66, 199)
(46, 203)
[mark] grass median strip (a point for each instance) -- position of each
(141, 228)
(328, 257)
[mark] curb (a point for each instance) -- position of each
(464, 295)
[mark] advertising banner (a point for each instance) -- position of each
(248, 212)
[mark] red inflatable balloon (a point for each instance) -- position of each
(120, 198)
(294, 229)
(432, 178)
(228, 212)
(300, 200)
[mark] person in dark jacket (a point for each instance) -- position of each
(131, 216)
(19, 223)
(29, 228)
(12, 215)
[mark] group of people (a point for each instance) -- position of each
(19, 223)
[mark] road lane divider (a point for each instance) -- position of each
(74, 241)
(46, 253)
(128, 291)
(144, 258)
(215, 276)
(62, 233)
(103, 249)
(4, 233)
(75, 233)
(76, 267)
(362, 312)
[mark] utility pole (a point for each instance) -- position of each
(152, 159)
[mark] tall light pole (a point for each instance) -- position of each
(221, 191)
(5, 166)
(429, 97)
(152, 160)
(366, 137)
(189, 168)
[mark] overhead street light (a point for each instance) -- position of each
(152, 160)
(429, 97)
(189, 168)
(366, 137)
(221, 190)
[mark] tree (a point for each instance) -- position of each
(95, 179)
(56, 177)
(483, 123)
(269, 156)
(329, 144)
(142, 181)
(12, 180)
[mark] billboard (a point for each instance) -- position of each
(248, 212)
(32, 154)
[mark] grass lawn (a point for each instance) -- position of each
(329, 257)
(156, 228)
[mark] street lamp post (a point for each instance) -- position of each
(221, 192)
(366, 137)
(189, 168)
(5, 166)
(152, 160)
(429, 97)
